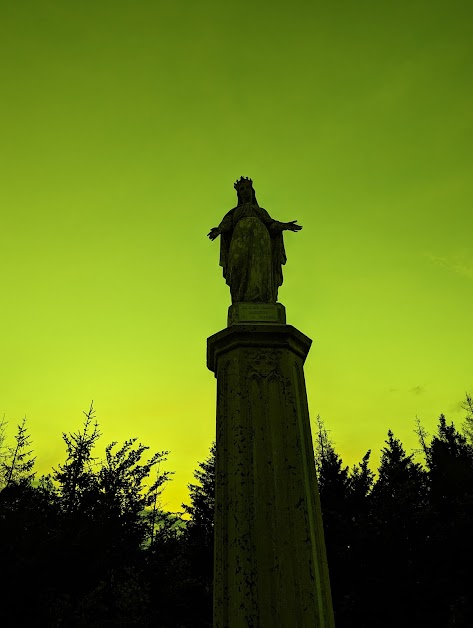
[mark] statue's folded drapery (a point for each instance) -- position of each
(252, 253)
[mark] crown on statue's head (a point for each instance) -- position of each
(237, 184)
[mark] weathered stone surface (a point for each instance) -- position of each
(251, 248)
(270, 568)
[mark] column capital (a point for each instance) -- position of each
(258, 336)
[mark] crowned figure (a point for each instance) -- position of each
(251, 248)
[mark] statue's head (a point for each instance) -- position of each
(245, 191)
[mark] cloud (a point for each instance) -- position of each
(456, 407)
(457, 263)
(417, 390)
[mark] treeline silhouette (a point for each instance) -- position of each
(89, 545)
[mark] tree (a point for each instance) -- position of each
(28, 526)
(450, 544)
(162, 524)
(18, 467)
(450, 461)
(332, 479)
(179, 561)
(399, 477)
(334, 490)
(203, 497)
(360, 483)
(3, 453)
(468, 424)
(199, 538)
(397, 510)
(121, 492)
(422, 434)
(76, 475)
(101, 549)
(322, 444)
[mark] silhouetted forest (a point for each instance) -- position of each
(89, 545)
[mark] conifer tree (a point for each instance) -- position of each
(360, 484)
(422, 435)
(203, 497)
(334, 490)
(467, 427)
(198, 549)
(322, 444)
(450, 461)
(355, 558)
(3, 452)
(400, 478)
(449, 551)
(332, 479)
(18, 466)
(398, 503)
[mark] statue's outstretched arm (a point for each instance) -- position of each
(290, 226)
(275, 226)
(214, 233)
(223, 227)
(278, 227)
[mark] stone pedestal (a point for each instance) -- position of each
(270, 565)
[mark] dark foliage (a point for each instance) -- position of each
(400, 548)
(89, 545)
(73, 545)
(449, 543)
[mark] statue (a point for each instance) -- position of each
(251, 248)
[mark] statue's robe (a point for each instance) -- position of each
(251, 253)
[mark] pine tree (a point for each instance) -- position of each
(198, 549)
(18, 466)
(422, 435)
(450, 461)
(332, 479)
(400, 494)
(467, 427)
(398, 504)
(334, 490)
(3, 452)
(355, 558)
(400, 478)
(360, 483)
(322, 444)
(450, 543)
(203, 497)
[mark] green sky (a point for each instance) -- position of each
(123, 126)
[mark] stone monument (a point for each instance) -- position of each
(270, 564)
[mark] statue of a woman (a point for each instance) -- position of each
(251, 248)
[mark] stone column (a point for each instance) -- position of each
(270, 565)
